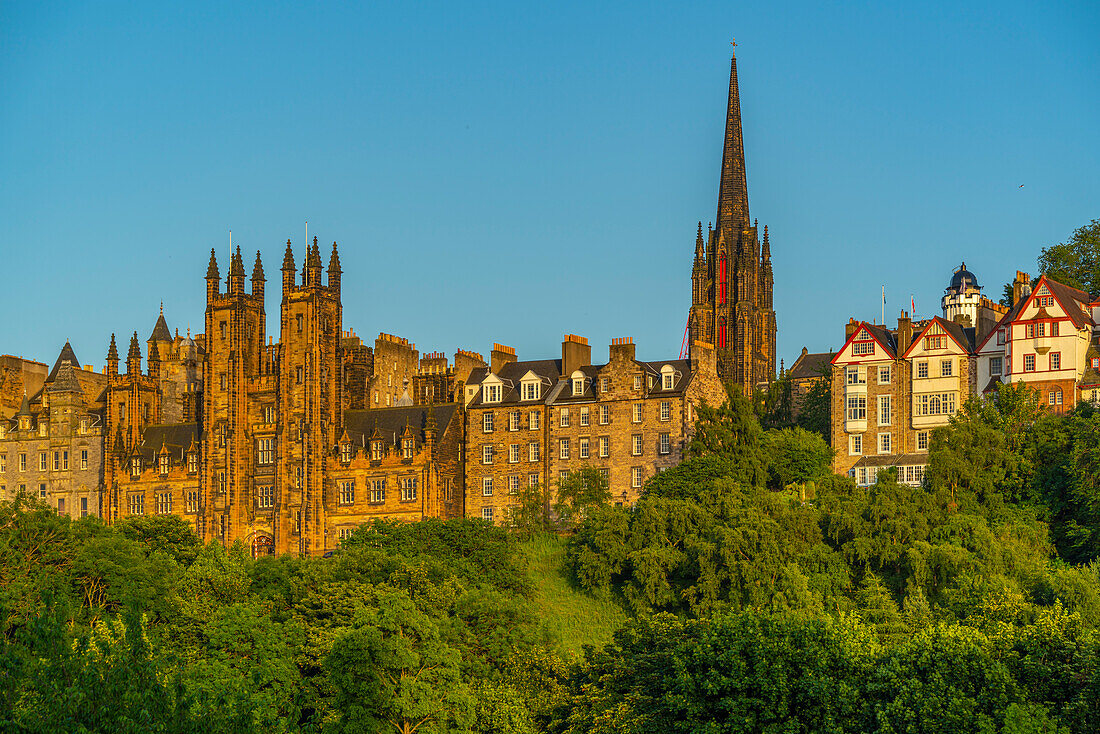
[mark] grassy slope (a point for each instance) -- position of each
(571, 615)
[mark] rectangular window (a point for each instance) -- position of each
(487, 513)
(136, 504)
(533, 479)
(60, 505)
(857, 407)
(637, 382)
(42, 461)
(269, 414)
(491, 393)
(605, 447)
(165, 464)
(83, 426)
(885, 410)
(856, 375)
(584, 416)
(407, 447)
(513, 453)
(221, 379)
(666, 410)
(635, 477)
(603, 384)
(605, 415)
(192, 462)
(347, 492)
(530, 390)
(408, 489)
(946, 367)
(83, 506)
(513, 483)
(22, 462)
(486, 454)
(486, 422)
(564, 417)
(884, 375)
(192, 501)
(533, 451)
(563, 448)
(934, 404)
(486, 486)
(57, 461)
(664, 443)
(513, 420)
(64, 461)
(885, 443)
(1054, 328)
(3, 463)
(377, 491)
(582, 448)
(636, 414)
(922, 440)
(855, 444)
(84, 458)
(995, 366)
(922, 369)
(936, 341)
(636, 444)
(1029, 363)
(862, 348)
(266, 452)
(164, 503)
(1055, 361)
(533, 420)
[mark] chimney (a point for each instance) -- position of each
(850, 328)
(622, 348)
(703, 358)
(1021, 287)
(905, 332)
(575, 353)
(500, 356)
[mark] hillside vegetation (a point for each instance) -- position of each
(748, 591)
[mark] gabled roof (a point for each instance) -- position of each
(880, 334)
(511, 374)
(809, 365)
(1066, 295)
(389, 424)
(962, 336)
(175, 437)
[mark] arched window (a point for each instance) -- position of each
(721, 333)
(721, 280)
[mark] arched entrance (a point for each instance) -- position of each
(263, 545)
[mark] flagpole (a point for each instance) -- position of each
(884, 305)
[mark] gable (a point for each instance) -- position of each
(863, 346)
(935, 339)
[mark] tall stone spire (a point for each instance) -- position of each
(700, 252)
(733, 192)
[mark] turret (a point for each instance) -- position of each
(112, 357)
(289, 270)
(212, 277)
(236, 273)
(334, 270)
(258, 279)
(133, 359)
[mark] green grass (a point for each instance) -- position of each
(572, 616)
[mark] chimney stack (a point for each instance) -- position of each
(850, 328)
(905, 332)
(575, 353)
(622, 348)
(1021, 287)
(500, 356)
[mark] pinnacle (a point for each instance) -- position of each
(212, 270)
(258, 269)
(135, 349)
(334, 261)
(236, 265)
(112, 351)
(288, 259)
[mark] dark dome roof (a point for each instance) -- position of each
(961, 275)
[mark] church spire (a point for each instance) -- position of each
(733, 193)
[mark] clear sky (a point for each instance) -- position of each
(515, 171)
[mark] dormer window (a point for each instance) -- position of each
(24, 423)
(42, 429)
(164, 464)
(491, 393)
(530, 390)
(407, 448)
(668, 377)
(135, 467)
(377, 451)
(83, 427)
(193, 462)
(578, 383)
(345, 453)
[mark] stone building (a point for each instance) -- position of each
(531, 422)
(19, 377)
(808, 370)
(731, 278)
(52, 448)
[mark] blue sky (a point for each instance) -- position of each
(511, 172)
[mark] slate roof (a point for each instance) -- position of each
(1066, 295)
(176, 437)
(547, 369)
(65, 380)
(390, 423)
(887, 338)
(67, 355)
(810, 366)
(160, 330)
(964, 335)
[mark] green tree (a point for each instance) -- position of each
(796, 455)
(1076, 262)
(169, 534)
(816, 409)
(392, 672)
(733, 433)
(533, 514)
(580, 492)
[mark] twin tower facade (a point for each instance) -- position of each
(731, 278)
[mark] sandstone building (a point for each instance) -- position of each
(731, 278)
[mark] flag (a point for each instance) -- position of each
(883, 295)
(912, 306)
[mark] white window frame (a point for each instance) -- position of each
(855, 444)
(886, 443)
(885, 410)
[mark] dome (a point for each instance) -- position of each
(963, 279)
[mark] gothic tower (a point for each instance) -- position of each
(235, 327)
(732, 280)
(309, 401)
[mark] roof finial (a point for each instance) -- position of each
(162, 308)
(733, 47)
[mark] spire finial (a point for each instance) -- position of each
(733, 47)
(162, 308)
